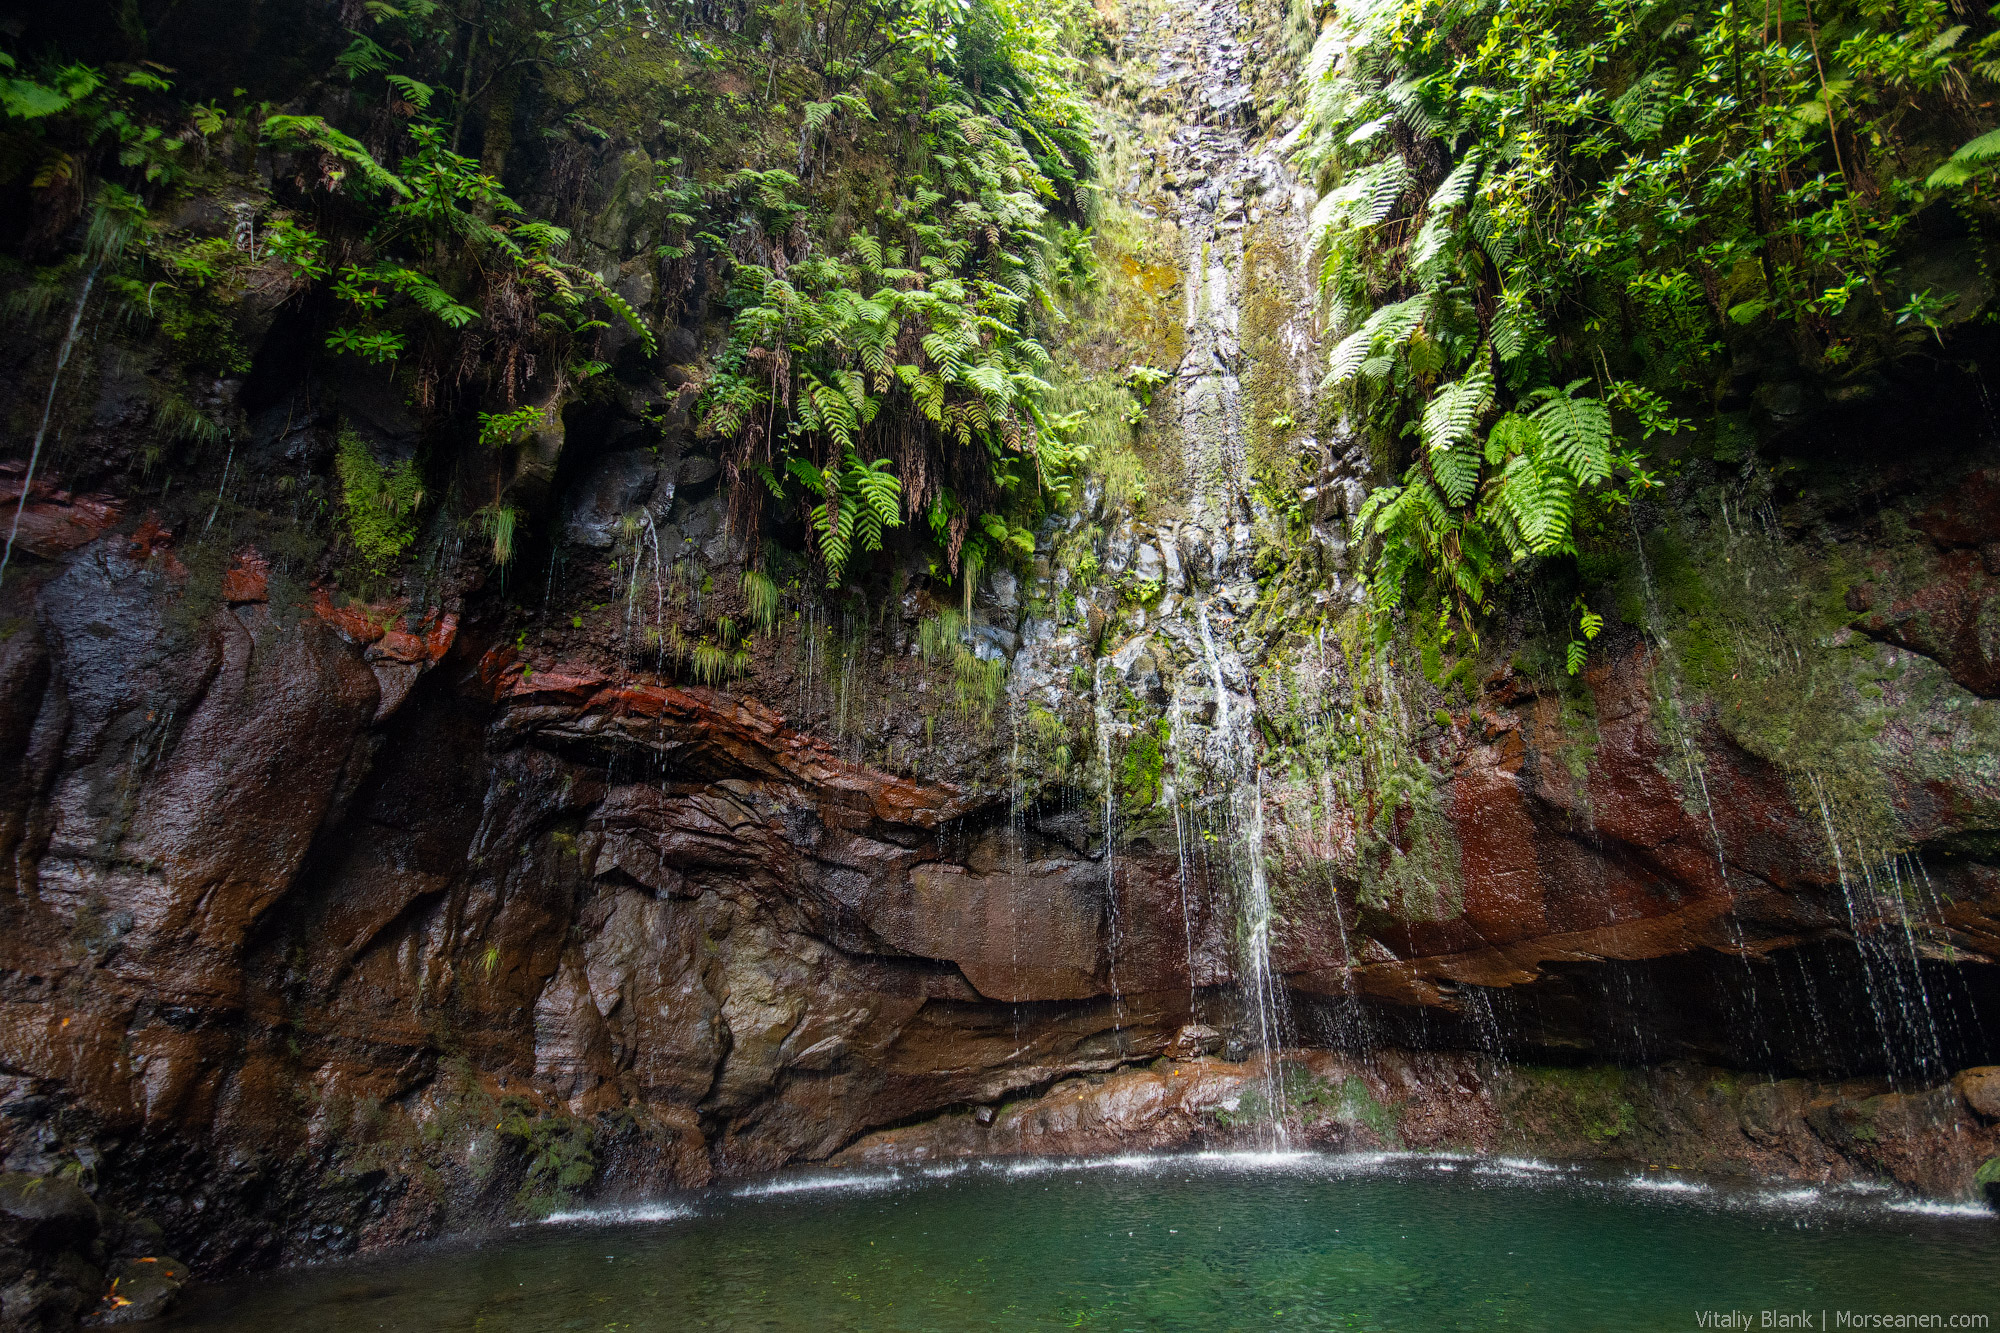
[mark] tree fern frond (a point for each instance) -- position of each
(1451, 192)
(1578, 432)
(1390, 323)
(1516, 330)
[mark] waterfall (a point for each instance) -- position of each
(1258, 982)
(1103, 716)
(48, 409)
(1266, 991)
(1891, 965)
(1691, 762)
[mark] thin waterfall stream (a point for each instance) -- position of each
(63, 351)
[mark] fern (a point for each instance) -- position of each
(1578, 431)
(295, 132)
(432, 299)
(860, 500)
(1516, 331)
(1641, 110)
(623, 309)
(1450, 419)
(1390, 324)
(1451, 192)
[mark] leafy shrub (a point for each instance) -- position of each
(1542, 223)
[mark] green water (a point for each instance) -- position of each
(1194, 1243)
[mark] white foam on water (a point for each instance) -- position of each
(1041, 1166)
(1939, 1208)
(808, 1184)
(638, 1212)
(1528, 1164)
(1260, 1160)
(1667, 1185)
(1521, 1174)
(1131, 1161)
(1799, 1198)
(1225, 1160)
(1036, 1166)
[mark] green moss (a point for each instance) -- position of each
(1273, 405)
(1350, 1102)
(1757, 626)
(378, 504)
(1413, 871)
(976, 682)
(1143, 766)
(557, 1149)
(1143, 592)
(1592, 1103)
(1576, 721)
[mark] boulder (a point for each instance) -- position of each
(1980, 1088)
(1194, 1041)
(141, 1288)
(45, 1213)
(615, 485)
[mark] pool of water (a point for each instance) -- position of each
(1204, 1242)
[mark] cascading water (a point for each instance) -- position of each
(1891, 965)
(1676, 724)
(1261, 988)
(1104, 725)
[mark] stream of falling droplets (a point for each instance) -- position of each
(1103, 715)
(48, 408)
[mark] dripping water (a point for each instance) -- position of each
(1103, 714)
(48, 409)
(1693, 765)
(1258, 982)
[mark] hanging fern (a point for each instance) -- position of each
(860, 500)
(761, 599)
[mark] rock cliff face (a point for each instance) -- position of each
(327, 923)
(289, 898)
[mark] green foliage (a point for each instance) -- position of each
(1589, 626)
(378, 504)
(298, 133)
(860, 500)
(61, 115)
(762, 599)
(713, 663)
(1542, 222)
(913, 338)
(499, 430)
(1142, 767)
(977, 682)
(888, 318)
(497, 524)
